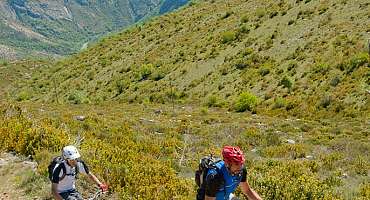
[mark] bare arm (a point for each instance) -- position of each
(248, 191)
(94, 178)
(54, 191)
(209, 198)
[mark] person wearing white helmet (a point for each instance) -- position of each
(64, 175)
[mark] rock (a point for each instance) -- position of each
(309, 157)
(33, 165)
(2, 162)
(254, 150)
(290, 141)
(158, 112)
(344, 175)
(147, 120)
(80, 117)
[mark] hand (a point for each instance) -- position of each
(103, 187)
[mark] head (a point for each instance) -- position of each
(234, 159)
(71, 154)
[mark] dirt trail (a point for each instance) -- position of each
(9, 166)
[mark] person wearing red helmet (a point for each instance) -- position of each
(227, 175)
(64, 175)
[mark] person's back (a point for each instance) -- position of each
(222, 180)
(220, 183)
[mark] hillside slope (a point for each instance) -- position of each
(62, 27)
(302, 57)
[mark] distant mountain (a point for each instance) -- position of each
(62, 27)
(169, 5)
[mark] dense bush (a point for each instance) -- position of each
(23, 96)
(286, 82)
(246, 101)
(228, 36)
(289, 180)
(78, 97)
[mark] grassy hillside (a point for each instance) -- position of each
(11, 72)
(302, 57)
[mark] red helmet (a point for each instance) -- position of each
(233, 155)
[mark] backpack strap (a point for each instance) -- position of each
(63, 168)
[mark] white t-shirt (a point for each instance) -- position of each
(66, 181)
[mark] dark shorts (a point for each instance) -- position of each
(71, 195)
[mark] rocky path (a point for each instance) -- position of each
(10, 165)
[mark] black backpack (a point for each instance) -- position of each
(59, 161)
(205, 164)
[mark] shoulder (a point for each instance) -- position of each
(82, 166)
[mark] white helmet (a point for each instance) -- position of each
(70, 152)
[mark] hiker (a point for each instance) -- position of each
(223, 179)
(63, 172)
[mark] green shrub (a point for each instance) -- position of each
(286, 82)
(244, 19)
(227, 14)
(365, 190)
(335, 81)
(145, 71)
(289, 180)
(23, 96)
(91, 75)
(212, 101)
(247, 51)
(325, 101)
(158, 76)
(228, 36)
(78, 97)
(279, 103)
(121, 85)
(357, 61)
(260, 12)
(322, 68)
(244, 29)
(246, 101)
(265, 69)
(241, 64)
(362, 166)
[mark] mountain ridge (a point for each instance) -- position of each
(61, 28)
